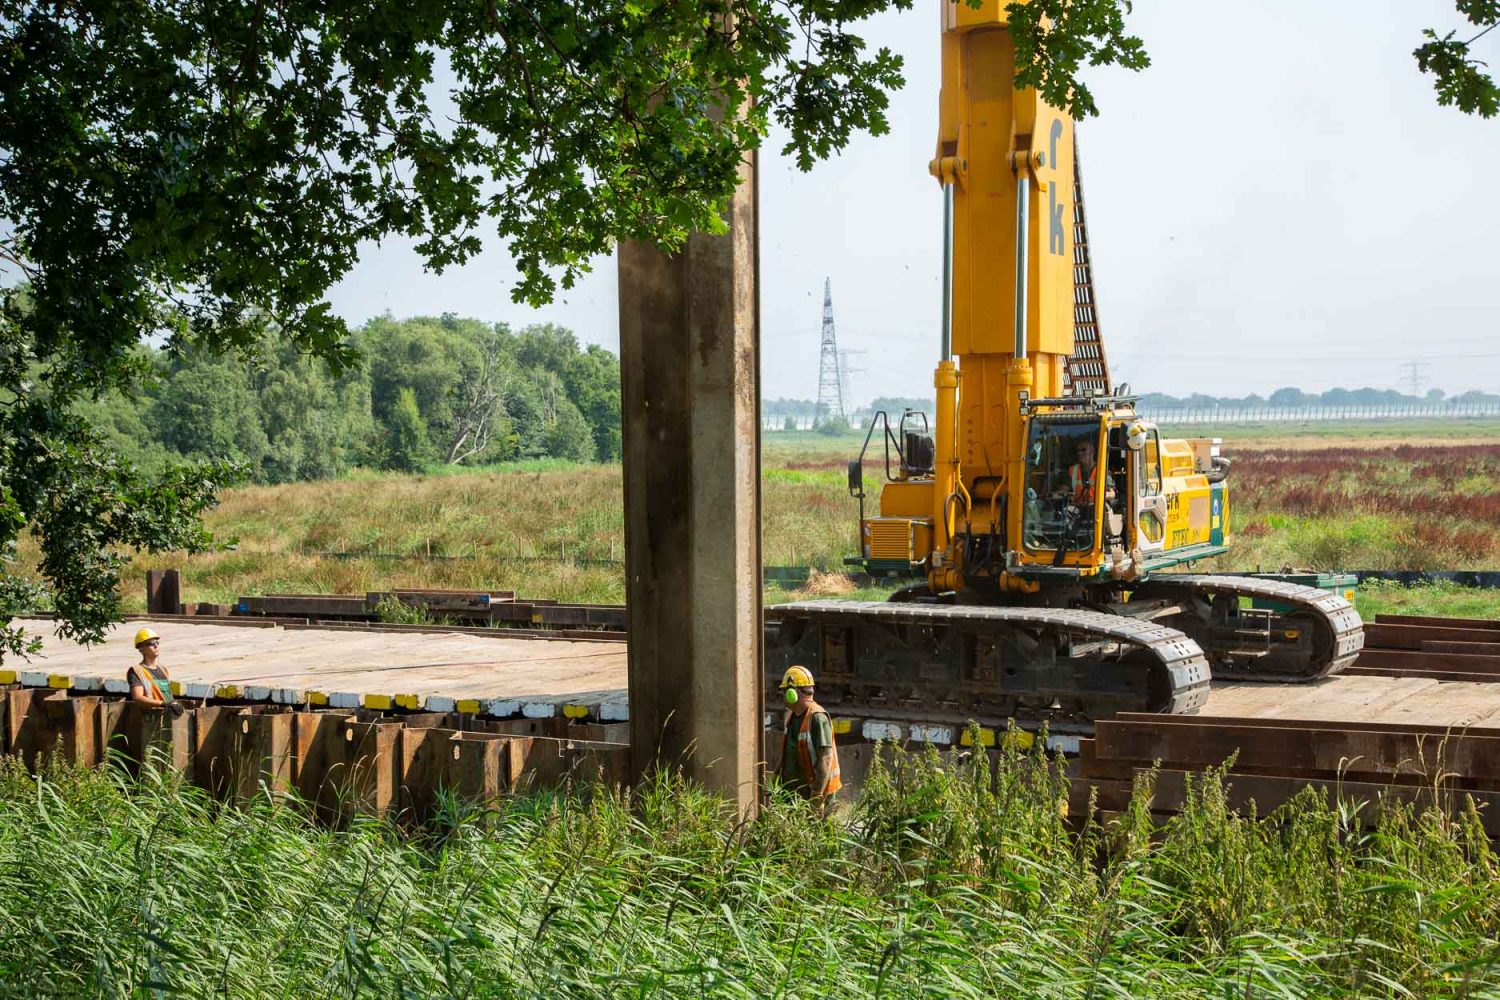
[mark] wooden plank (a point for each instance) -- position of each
(1440, 675)
(1294, 749)
(1437, 620)
(1265, 793)
(1471, 648)
(1211, 721)
(305, 605)
(1390, 659)
(1353, 698)
(1412, 636)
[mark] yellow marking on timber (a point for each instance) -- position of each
(60, 681)
(176, 688)
(1017, 739)
(986, 738)
(317, 698)
(227, 691)
(576, 711)
(376, 701)
(842, 726)
(7, 676)
(409, 701)
(467, 705)
(536, 617)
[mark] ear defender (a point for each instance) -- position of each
(791, 696)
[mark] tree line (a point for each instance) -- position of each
(423, 392)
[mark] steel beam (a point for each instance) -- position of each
(690, 380)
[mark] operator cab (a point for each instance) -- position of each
(1076, 471)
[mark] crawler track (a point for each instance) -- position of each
(954, 663)
(1315, 634)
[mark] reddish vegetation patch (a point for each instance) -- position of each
(1334, 480)
(1416, 487)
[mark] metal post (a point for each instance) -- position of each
(1023, 202)
(947, 311)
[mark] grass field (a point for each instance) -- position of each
(1424, 496)
(944, 880)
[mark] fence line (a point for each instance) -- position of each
(1314, 414)
(1245, 414)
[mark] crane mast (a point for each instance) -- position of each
(1004, 159)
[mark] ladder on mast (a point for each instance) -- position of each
(1087, 370)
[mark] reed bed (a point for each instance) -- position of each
(948, 878)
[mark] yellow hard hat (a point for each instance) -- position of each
(797, 677)
(145, 635)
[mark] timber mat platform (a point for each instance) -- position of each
(1421, 671)
(500, 673)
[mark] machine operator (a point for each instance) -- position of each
(1083, 477)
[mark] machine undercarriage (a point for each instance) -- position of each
(1062, 666)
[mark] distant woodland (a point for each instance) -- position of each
(424, 392)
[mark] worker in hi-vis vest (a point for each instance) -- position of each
(149, 682)
(809, 758)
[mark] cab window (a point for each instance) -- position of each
(1063, 468)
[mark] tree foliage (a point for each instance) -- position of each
(203, 174)
(480, 393)
(1459, 78)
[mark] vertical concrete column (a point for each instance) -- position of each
(690, 374)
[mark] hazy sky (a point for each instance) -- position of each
(1278, 200)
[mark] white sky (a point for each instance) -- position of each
(1278, 200)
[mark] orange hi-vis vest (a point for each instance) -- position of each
(805, 754)
(157, 691)
(1082, 486)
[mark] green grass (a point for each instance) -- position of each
(1443, 599)
(945, 880)
(554, 529)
